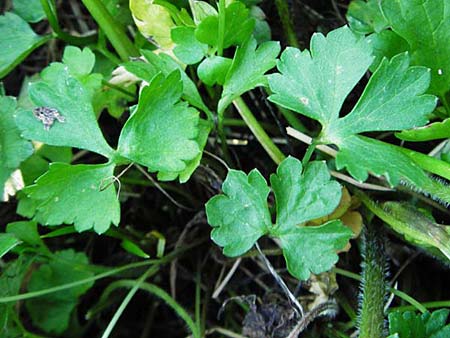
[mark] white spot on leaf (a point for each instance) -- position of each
(339, 69)
(304, 100)
(440, 72)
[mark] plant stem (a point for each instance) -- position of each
(119, 40)
(272, 150)
(51, 14)
(135, 287)
(308, 154)
(286, 22)
(221, 30)
(374, 286)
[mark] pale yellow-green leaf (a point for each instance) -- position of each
(153, 21)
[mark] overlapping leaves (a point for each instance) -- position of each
(315, 83)
(240, 216)
(163, 134)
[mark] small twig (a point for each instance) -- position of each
(297, 306)
(217, 158)
(158, 186)
(438, 148)
(368, 186)
(227, 278)
(308, 140)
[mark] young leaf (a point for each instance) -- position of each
(153, 21)
(29, 10)
(61, 91)
(18, 41)
(78, 194)
(188, 49)
(213, 70)
(52, 312)
(411, 325)
(425, 25)
(316, 84)
(13, 148)
(166, 65)
(241, 215)
(248, 69)
(80, 62)
(238, 27)
(161, 133)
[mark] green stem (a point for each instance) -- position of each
(308, 154)
(119, 40)
(445, 103)
(426, 305)
(111, 272)
(272, 150)
(135, 287)
(292, 119)
(221, 30)
(286, 22)
(374, 286)
(49, 8)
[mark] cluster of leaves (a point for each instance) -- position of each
(168, 129)
(411, 325)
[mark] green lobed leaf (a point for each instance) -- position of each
(25, 231)
(214, 70)
(204, 128)
(366, 16)
(386, 44)
(52, 312)
(411, 325)
(13, 149)
(18, 41)
(241, 215)
(239, 26)
(166, 65)
(187, 48)
(248, 69)
(29, 10)
(316, 84)
(63, 92)
(37, 164)
(80, 194)
(161, 133)
(425, 25)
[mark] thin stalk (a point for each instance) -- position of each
(221, 33)
(426, 305)
(136, 285)
(111, 272)
(49, 8)
(119, 40)
(308, 154)
(269, 146)
(286, 22)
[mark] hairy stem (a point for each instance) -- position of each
(373, 285)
